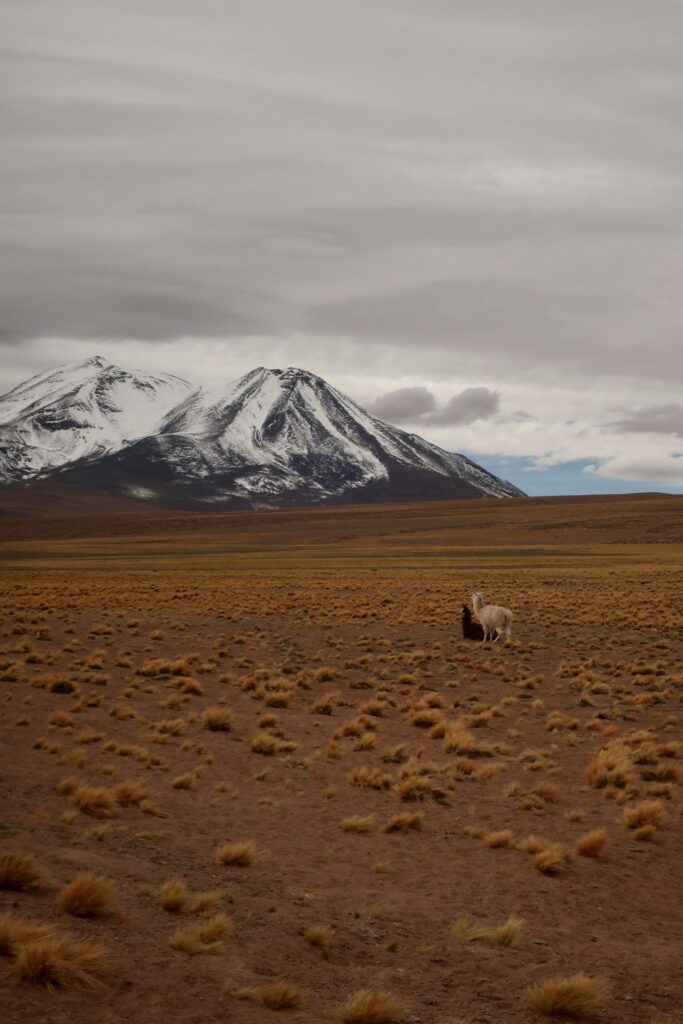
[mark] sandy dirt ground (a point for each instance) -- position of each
(262, 679)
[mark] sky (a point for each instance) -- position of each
(466, 214)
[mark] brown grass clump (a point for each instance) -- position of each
(645, 833)
(382, 867)
(577, 996)
(591, 843)
(644, 813)
(185, 781)
(280, 995)
(263, 742)
(19, 871)
(325, 705)
(508, 934)
(131, 793)
(370, 1007)
(86, 896)
(217, 719)
(459, 740)
(357, 823)
(613, 766)
(404, 822)
(164, 666)
(205, 902)
(239, 855)
(60, 961)
(319, 935)
(14, 933)
(532, 844)
(173, 895)
(94, 800)
(203, 938)
(553, 859)
(500, 840)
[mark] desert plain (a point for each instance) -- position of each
(250, 767)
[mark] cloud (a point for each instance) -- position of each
(470, 405)
(665, 468)
(653, 419)
(239, 175)
(292, 184)
(405, 405)
(418, 405)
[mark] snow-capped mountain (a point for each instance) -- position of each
(80, 411)
(271, 438)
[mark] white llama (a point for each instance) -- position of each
(493, 618)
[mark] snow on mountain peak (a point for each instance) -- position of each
(272, 436)
(77, 411)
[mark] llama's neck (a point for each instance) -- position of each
(478, 603)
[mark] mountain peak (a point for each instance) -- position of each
(275, 371)
(274, 437)
(79, 411)
(95, 361)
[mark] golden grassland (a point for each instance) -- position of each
(250, 766)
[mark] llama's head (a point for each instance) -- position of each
(477, 599)
(465, 613)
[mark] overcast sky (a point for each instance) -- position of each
(467, 214)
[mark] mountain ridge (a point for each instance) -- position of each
(269, 438)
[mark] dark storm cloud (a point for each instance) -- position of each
(418, 405)
(653, 419)
(470, 405)
(404, 405)
(466, 185)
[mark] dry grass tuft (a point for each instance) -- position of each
(131, 793)
(577, 996)
(382, 867)
(613, 766)
(217, 719)
(96, 801)
(357, 823)
(532, 844)
(15, 932)
(645, 833)
(280, 995)
(404, 822)
(173, 895)
(644, 813)
(500, 840)
(508, 934)
(370, 1007)
(185, 781)
(20, 871)
(239, 855)
(86, 896)
(60, 961)
(591, 843)
(263, 742)
(553, 859)
(319, 935)
(205, 902)
(203, 938)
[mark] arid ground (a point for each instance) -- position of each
(277, 713)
